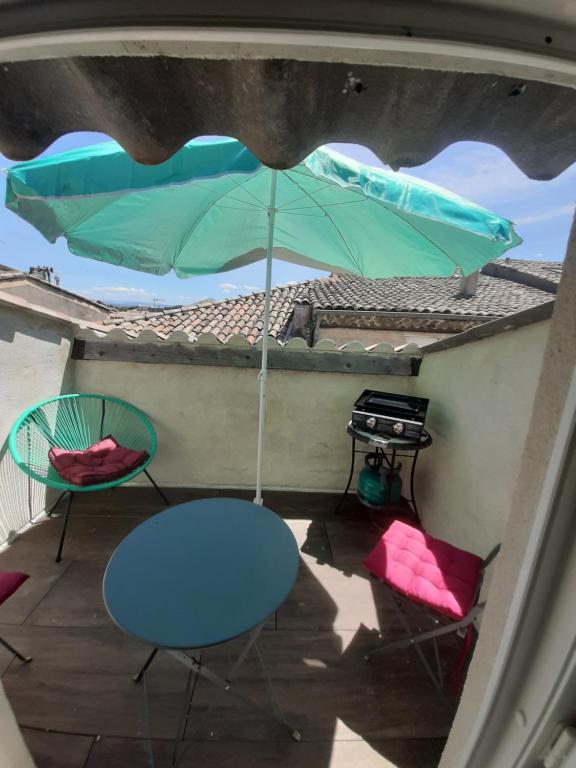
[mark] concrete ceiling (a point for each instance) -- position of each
(405, 79)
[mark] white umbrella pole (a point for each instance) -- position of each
(263, 376)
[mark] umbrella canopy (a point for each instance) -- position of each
(205, 211)
(213, 207)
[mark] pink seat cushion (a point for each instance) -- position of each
(10, 581)
(102, 462)
(427, 570)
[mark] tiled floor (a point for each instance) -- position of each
(79, 707)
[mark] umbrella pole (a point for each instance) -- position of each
(263, 375)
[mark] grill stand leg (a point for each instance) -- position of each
(412, 494)
(350, 476)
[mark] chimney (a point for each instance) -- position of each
(468, 285)
(46, 274)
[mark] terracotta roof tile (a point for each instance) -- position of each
(495, 297)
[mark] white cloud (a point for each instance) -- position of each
(552, 213)
(228, 287)
(121, 290)
(252, 288)
(486, 176)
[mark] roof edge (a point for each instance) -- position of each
(502, 324)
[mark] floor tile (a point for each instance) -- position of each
(76, 600)
(57, 750)
(80, 707)
(44, 573)
(325, 598)
(80, 681)
(327, 691)
(123, 753)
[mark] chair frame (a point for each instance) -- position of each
(68, 489)
(401, 602)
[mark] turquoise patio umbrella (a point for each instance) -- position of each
(214, 207)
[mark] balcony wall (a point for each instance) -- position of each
(206, 418)
(481, 398)
(34, 365)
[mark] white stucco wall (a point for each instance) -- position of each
(481, 399)
(481, 396)
(34, 365)
(206, 420)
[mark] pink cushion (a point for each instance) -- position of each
(102, 462)
(10, 581)
(427, 570)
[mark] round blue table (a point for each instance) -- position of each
(200, 574)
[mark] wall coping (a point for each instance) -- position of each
(509, 323)
(237, 352)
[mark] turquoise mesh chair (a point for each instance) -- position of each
(75, 422)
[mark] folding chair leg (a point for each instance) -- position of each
(64, 526)
(404, 621)
(383, 635)
(13, 650)
(415, 641)
(58, 500)
(164, 499)
(438, 663)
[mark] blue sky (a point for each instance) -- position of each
(542, 212)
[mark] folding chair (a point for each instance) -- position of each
(10, 581)
(439, 578)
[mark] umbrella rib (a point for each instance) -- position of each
(396, 211)
(247, 207)
(245, 181)
(301, 197)
(425, 236)
(336, 227)
(323, 205)
(199, 218)
(394, 208)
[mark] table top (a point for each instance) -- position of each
(390, 443)
(201, 573)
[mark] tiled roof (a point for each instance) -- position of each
(494, 297)
(242, 315)
(549, 270)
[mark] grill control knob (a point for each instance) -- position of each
(371, 422)
(398, 428)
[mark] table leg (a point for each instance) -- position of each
(181, 733)
(147, 663)
(245, 651)
(151, 761)
(196, 666)
(350, 476)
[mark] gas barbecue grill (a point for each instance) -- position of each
(389, 415)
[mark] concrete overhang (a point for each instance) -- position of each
(405, 79)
